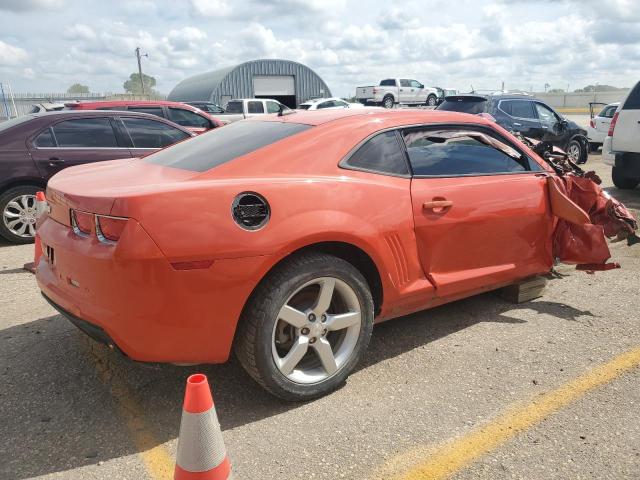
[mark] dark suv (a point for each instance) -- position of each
(527, 115)
(34, 147)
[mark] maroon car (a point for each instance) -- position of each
(34, 147)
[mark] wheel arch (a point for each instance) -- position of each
(23, 182)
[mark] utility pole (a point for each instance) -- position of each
(138, 55)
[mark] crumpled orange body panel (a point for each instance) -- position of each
(576, 242)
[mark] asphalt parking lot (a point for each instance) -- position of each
(480, 388)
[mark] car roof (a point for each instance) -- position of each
(391, 118)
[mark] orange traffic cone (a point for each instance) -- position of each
(41, 203)
(201, 452)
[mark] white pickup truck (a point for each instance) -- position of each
(397, 91)
(240, 108)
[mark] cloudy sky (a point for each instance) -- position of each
(47, 45)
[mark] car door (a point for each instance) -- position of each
(417, 91)
(255, 107)
(148, 136)
(481, 212)
(406, 92)
(550, 123)
(74, 142)
(519, 116)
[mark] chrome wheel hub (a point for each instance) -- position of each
(317, 330)
(19, 216)
(574, 153)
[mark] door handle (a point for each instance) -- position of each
(517, 124)
(437, 206)
(53, 161)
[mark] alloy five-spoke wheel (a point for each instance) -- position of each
(19, 214)
(305, 326)
(317, 330)
(574, 151)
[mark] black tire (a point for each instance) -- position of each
(388, 101)
(593, 147)
(5, 198)
(583, 155)
(623, 182)
(432, 101)
(253, 343)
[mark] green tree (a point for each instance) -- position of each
(78, 88)
(133, 84)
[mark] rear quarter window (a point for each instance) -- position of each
(222, 145)
(633, 99)
(389, 82)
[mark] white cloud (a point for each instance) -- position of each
(211, 8)
(26, 5)
(79, 31)
(11, 55)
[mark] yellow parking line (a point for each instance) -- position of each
(155, 457)
(457, 454)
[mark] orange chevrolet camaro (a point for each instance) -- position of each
(287, 237)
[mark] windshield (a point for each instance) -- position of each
(234, 107)
(221, 145)
(473, 105)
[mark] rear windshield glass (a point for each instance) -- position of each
(633, 100)
(464, 105)
(6, 125)
(224, 144)
(304, 107)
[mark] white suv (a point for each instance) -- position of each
(621, 148)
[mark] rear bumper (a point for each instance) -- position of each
(129, 295)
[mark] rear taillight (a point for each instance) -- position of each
(109, 229)
(592, 123)
(81, 222)
(613, 124)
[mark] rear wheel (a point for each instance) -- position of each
(388, 102)
(623, 182)
(18, 207)
(306, 326)
(431, 101)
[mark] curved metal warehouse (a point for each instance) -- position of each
(289, 82)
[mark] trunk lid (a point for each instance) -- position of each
(95, 187)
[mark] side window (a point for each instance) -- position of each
(255, 107)
(85, 133)
(157, 111)
(448, 153)
(273, 107)
(404, 83)
(389, 82)
(609, 112)
(518, 108)
(633, 99)
(151, 134)
(45, 139)
(545, 114)
(187, 118)
(382, 154)
(340, 103)
(415, 84)
(327, 104)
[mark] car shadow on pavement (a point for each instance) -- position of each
(630, 198)
(62, 396)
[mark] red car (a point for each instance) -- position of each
(185, 115)
(288, 237)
